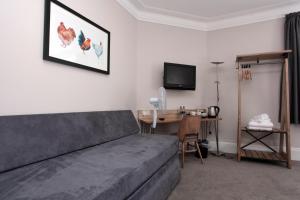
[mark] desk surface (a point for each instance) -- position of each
(171, 119)
(167, 120)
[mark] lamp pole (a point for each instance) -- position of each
(217, 63)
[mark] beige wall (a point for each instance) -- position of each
(260, 95)
(138, 49)
(158, 44)
(30, 85)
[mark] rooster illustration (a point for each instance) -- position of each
(65, 35)
(98, 49)
(85, 44)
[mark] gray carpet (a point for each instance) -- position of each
(227, 179)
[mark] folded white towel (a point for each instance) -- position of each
(266, 124)
(261, 118)
(259, 128)
(261, 121)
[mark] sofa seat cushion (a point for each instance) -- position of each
(113, 170)
(26, 139)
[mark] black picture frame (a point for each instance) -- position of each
(47, 40)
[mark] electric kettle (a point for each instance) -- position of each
(213, 111)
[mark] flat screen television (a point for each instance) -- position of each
(179, 76)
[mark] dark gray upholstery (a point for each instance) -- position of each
(161, 183)
(26, 139)
(84, 156)
(134, 167)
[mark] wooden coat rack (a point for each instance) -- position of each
(284, 130)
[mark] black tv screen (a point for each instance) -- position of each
(179, 76)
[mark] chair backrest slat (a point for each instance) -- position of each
(189, 125)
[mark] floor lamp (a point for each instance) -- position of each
(217, 63)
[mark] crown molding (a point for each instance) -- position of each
(245, 19)
(252, 18)
(129, 7)
(166, 11)
(160, 18)
(172, 21)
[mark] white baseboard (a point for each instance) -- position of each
(228, 147)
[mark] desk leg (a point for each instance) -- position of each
(205, 128)
(151, 130)
(203, 131)
(217, 136)
(143, 128)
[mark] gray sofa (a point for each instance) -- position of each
(84, 156)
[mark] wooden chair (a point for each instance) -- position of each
(188, 135)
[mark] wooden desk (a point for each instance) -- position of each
(146, 121)
(169, 118)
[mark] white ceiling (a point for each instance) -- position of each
(209, 14)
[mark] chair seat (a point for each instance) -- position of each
(113, 170)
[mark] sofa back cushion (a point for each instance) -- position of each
(26, 139)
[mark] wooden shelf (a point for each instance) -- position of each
(263, 155)
(284, 131)
(274, 130)
(263, 56)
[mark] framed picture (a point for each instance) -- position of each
(72, 39)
